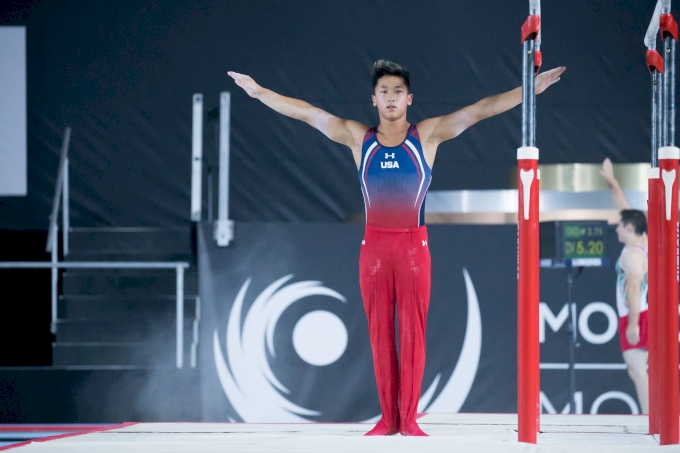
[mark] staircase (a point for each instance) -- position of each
(126, 318)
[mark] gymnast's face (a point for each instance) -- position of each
(624, 231)
(391, 97)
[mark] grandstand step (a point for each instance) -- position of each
(143, 354)
(124, 317)
(126, 282)
(87, 331)
(104, 240)
(112, 308)
(121, 354)
(129, 255)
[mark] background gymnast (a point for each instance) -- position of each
(631, 287)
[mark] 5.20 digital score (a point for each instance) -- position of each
(583, 241)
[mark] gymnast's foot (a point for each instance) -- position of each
(412, 429)
(381, 429)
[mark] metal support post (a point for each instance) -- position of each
(66, 221)
(58, 187)
(211, 201)
(224, 228)
(669, 33)
(665, 132)
(196, 157)
(573, 340)
(179, 270)
(657, 106)
(669, 89)
(196, 339)
(528, 96)
(55, 276)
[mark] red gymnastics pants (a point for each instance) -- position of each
(394, 269)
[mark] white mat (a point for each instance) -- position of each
(469, 433)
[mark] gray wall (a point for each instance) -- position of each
(12, 111)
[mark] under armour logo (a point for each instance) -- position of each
(424, 243)
(389, 156)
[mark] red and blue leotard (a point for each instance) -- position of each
(394, 181)
(394, 269)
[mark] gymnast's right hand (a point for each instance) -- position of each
(247, 83)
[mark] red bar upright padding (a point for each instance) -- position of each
(668, 25)
(531, 27)
(668, 275)
(654, 208)
(528, 347)
(538, 61)
(654, 61)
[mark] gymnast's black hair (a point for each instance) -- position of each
(635, 218)
(382, 68)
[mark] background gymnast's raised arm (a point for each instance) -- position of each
(607, 173)
(347, 132)
(433, 131)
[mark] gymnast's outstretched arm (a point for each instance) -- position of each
(607, 173)
(436, 130)
(346, 132)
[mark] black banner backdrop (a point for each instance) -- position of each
(284, 335)
(122, 74)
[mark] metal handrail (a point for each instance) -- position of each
(93, 265)
(60, 190)
(60, 186)
(178, 266)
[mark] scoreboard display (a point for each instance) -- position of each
(573, 244)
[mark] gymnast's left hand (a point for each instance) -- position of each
(247, 83)
(547, 78)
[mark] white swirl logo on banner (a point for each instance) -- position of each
(319, 338)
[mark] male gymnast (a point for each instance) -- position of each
(394, 161)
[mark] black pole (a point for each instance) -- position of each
(657, 105)
(668, 118)
(571, 331)
(670, 57)
(528, 95)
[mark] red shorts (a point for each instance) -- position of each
(644, 332)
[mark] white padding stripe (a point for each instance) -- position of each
(668, 178)
(538, 174)
(669, 152)
(653, 173)
(527, 178)
(527, 152)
